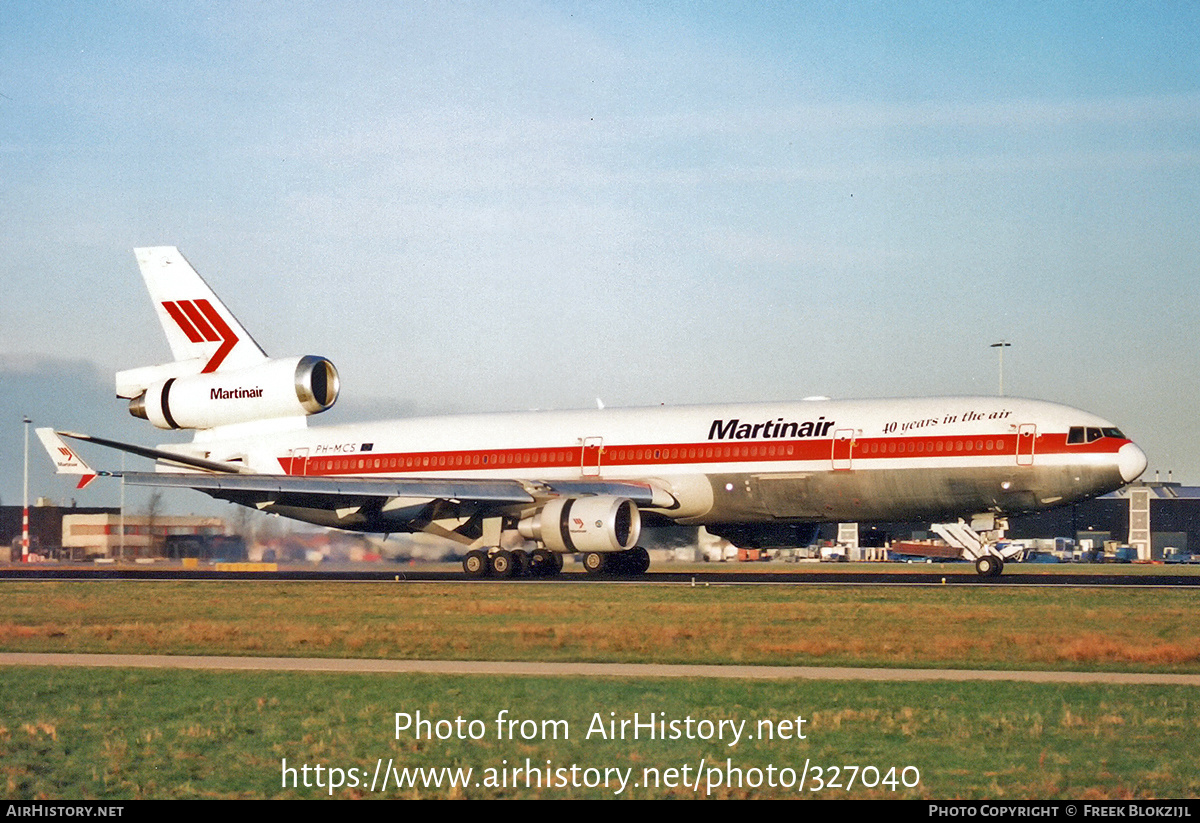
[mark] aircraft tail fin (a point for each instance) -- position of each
(199, 328)
(219, 377)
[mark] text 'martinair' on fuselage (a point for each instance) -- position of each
(735, 429)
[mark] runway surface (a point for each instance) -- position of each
(536, 669)
(918, 575)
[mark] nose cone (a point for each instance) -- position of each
(1131, 461)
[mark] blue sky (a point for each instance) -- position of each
(529, 205)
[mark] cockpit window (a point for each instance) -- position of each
(1081, 434)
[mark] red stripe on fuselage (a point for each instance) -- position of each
(864, 449)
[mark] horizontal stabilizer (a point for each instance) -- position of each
(66, 461)
(156, 454)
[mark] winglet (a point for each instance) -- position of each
(66, 461)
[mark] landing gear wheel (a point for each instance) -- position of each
(522, 565)
(541, 563)
(616, 563)
(475, 564)
(631, 562)
(502, 564)
(989, 566)
(595, 563)
(639, 560)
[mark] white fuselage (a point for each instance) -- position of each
(817, 460)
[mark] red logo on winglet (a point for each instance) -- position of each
(201, 323)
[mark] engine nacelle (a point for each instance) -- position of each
(290, 387)
(585, 524)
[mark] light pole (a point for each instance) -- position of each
(1002, 345)
(121, 539)
(25, 498)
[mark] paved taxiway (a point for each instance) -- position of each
(520, 668)
(915, 575)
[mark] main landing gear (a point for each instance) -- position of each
(503, 563)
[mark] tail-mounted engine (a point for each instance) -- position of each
(585, 524)
(291, 387)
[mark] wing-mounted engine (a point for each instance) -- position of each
(290, 387)
(585, 524)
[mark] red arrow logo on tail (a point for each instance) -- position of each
(202, 324)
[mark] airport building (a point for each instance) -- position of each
(1159, 520)
(45, 528)
(78, 533)
(99, 535)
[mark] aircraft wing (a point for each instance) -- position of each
(483, 491)
(451, 508)
(359, 503)
(466, 490)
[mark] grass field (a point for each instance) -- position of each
(68, 733)
(1012, 627)
(76, 733)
